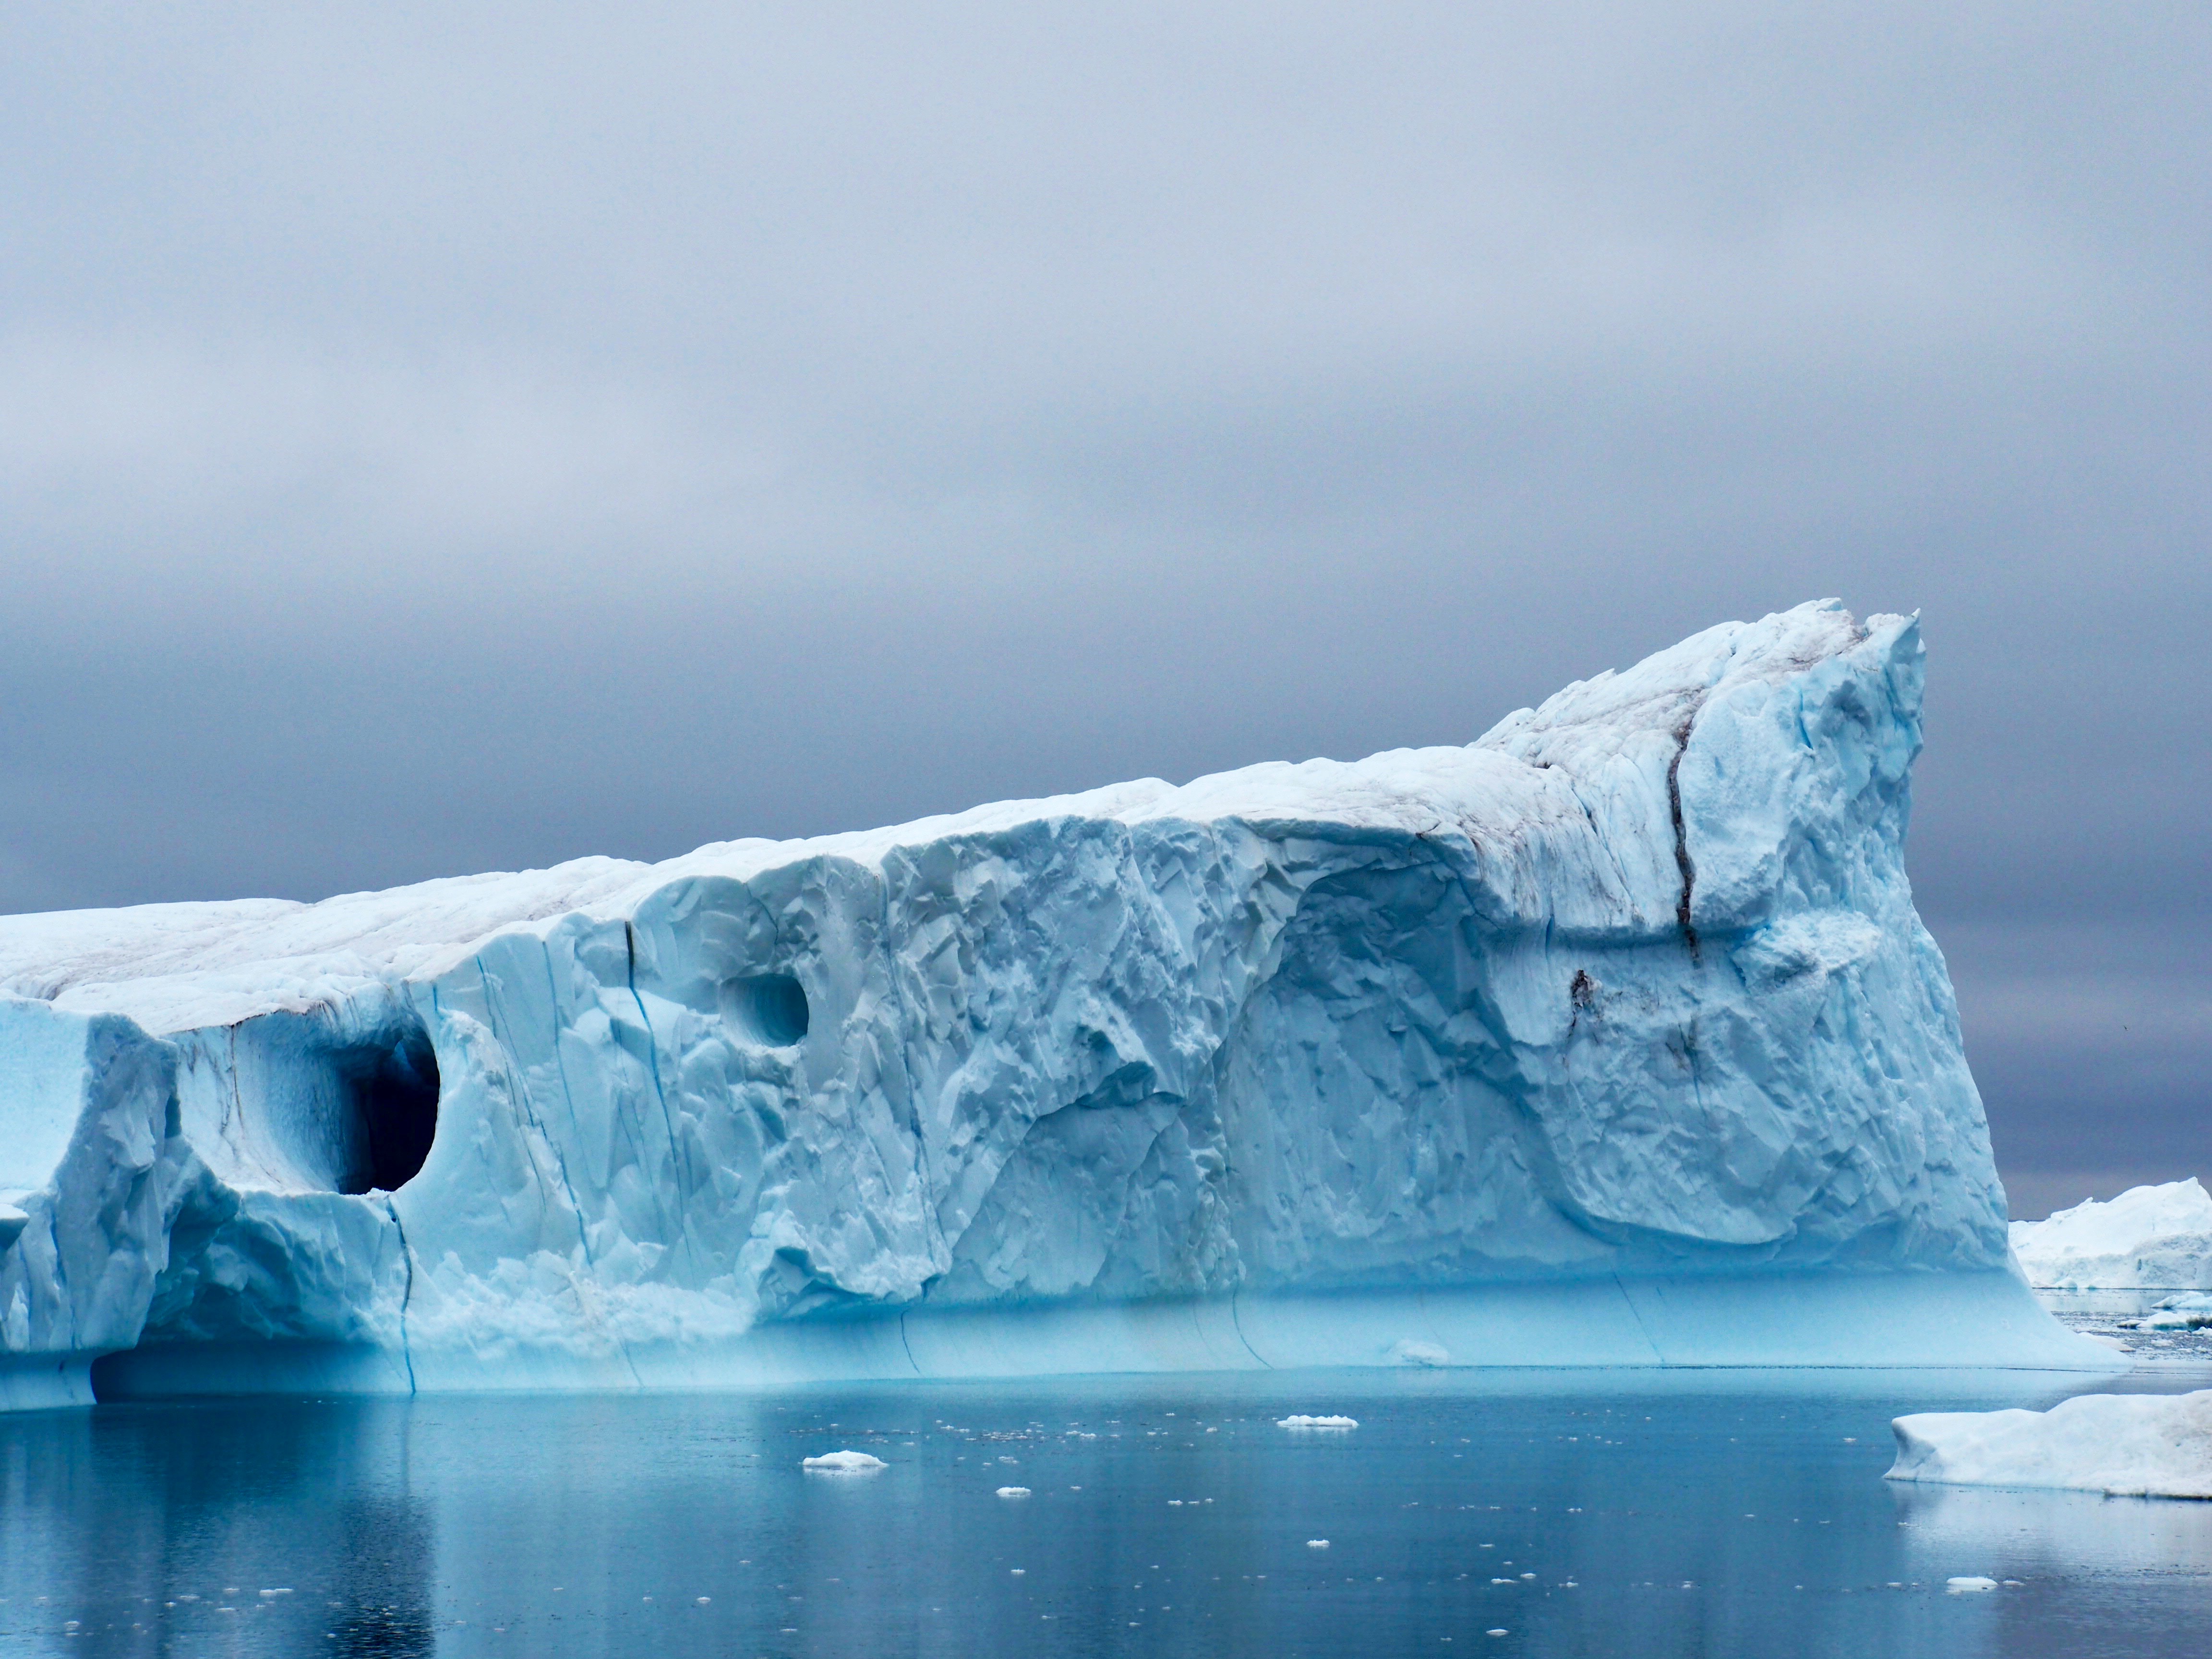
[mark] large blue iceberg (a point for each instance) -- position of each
(1611, 1038)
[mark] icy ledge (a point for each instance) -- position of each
(2155, 1238)
(2136, 1445)
(1611, 1038)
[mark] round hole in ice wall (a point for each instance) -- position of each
(769, 1008)
(392, 1092)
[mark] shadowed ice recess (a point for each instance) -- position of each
(1611, 1038)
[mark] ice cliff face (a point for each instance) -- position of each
(1628, 993)
(2148, 1238)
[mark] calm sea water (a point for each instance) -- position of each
(1525, 1514)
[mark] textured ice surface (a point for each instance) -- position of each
(2141, 1445)
(2148, 1238)
(1611, 1038)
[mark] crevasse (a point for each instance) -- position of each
(1610, 1038)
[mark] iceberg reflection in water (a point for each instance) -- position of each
(1579, 1513)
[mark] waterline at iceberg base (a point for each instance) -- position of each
(1611, 1038)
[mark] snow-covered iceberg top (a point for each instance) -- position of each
(1625, 1001)
(2136, 1445)
(2148, 1238)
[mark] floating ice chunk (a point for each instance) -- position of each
(1302, 1421)
(1316, 1543)
(1494, 1633)
(2137, 1445)
(1969, 1585)
(843, 1463)
(1013, 1492)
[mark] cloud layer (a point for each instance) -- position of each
(434, 442)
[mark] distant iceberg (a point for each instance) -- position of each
(1611, 1038)
(2139, 1445)
(2155, 1238)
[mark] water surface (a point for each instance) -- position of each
(1576, 1513)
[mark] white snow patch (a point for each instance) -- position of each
(2137, 1445)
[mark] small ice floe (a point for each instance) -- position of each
(1013, 1492)
(1316, 1543)
(1301, 1421)
(843, 1463)
(1493, 1632)
(1969, 1585)
(2134, 1445)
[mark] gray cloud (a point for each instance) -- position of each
(433, 442)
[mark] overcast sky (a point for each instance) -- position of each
(436, 438)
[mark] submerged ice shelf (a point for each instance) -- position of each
(1611, 1038)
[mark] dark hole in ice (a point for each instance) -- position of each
(394, 1095)
(772, 1006)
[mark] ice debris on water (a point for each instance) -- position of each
(1013, 1492)
(1316, 1543)
(1302, 1421)
(1968, 1584)
(844, 1462)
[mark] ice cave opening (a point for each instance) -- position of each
(391, 1088)
(769, 1007)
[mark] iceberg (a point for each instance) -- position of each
(1610, 1038)
(2126, 1445)
(2153, 1239)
